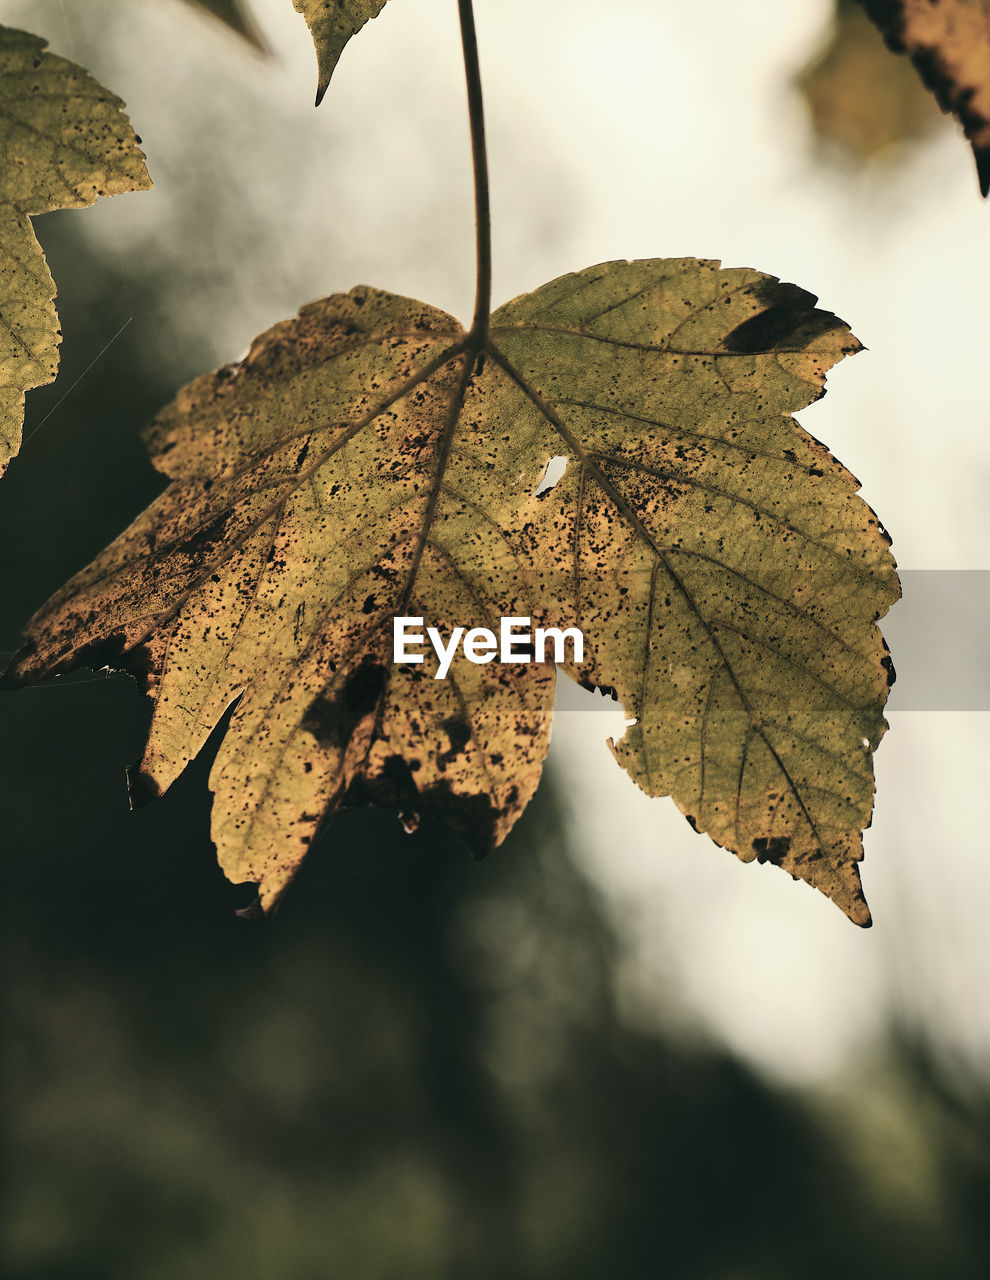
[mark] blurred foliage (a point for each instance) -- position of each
(948, 42)
(416, 1069)
(862, 100)
(234, 15)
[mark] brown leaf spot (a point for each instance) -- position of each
(772, 848)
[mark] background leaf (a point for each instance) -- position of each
(332, 23)
(233, 15)
(949, 44)
(65, 141)
(861, 101)
(364, 462)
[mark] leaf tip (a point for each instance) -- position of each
(142, 788)
(982, 156)
(17, 674)
(859, 914)
(847, 895)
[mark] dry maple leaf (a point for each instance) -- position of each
(65, 141)
(371, 460)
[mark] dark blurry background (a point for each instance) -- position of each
(420, 1066)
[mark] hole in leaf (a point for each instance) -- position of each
(552, 473)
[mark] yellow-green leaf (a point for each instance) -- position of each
(65, 141)
(369, 460)
(332, 23)
(949, 43)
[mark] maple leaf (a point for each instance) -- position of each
(949, 43)
(65, 141)
(332, 23)
(371, 460)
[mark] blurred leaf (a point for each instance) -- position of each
(233, 15)
(370, 460)
(65, 141)
(332, 23)
(860, 99)
(949, 43)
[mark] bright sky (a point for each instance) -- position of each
(635, 129)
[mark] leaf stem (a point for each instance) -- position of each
(479, 155)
